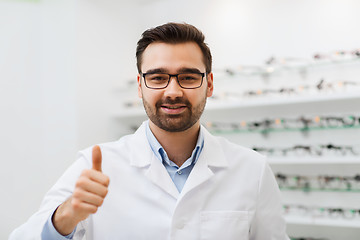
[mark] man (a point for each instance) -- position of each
(171, 179)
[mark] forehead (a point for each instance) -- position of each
(172, 56)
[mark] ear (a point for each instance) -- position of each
(139, 85)
(210, 84)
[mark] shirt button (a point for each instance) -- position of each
(180, 172)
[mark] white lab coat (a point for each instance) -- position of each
(231, 193)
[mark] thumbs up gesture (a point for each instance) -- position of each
(90, 191)
(96, 158)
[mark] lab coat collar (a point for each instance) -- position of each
(142, 156)
(213, 151)
(139, 148)
(211, 158)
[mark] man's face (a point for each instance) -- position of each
(173, 108)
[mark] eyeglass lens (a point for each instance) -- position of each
(185, 80)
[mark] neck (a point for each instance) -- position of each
(178, 145)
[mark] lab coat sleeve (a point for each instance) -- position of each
(268, 221)
(62, 190)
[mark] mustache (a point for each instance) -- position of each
(170, 101)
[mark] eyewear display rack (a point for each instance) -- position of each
(305, 118)
(304, 105)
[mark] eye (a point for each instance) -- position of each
(157, 77)
(189, 77)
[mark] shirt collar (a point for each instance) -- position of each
(160, 153)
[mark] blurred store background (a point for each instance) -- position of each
(286, 83)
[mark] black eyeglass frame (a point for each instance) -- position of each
(177, 79)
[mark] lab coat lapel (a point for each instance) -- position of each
(142, 156)
(159, 176)
(211, 158)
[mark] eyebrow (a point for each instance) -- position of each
(189, 70)
(181, 70)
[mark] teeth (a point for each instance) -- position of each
(172, 107)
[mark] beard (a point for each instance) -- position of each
(174, 122)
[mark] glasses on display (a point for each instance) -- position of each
(162, 80)
(318, 183)
(262, 126)
(307, 238)
(321, 212)
(308, 150)
(300, 123)
(336, 121)
(297, 150)
(292, 182)
(274, 64)
(337, 55)
(321, 86)
(266, 92)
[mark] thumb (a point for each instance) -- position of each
(96, 158)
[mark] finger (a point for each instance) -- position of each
(88, 197)
(91, 186)
(79, 205)
(96, 176)
(96, 158)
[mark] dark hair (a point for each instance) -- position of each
(173, 33)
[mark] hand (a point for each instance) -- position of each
(90, 191)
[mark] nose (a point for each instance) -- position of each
(173, 90)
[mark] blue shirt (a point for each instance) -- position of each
(178, 175)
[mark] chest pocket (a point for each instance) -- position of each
(227, 225)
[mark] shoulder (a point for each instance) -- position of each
(234, 154)
(119, 150)
(106, 147)
(240, 153)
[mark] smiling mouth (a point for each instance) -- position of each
(173, 109)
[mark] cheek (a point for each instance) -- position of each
(202, 94)
(196, 98)
(151, 97)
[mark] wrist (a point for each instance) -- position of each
(63, 220)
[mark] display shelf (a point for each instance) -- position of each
(313, 160)
(319, 190)
(271, 130)
(282, 100)
(291, 65)
(329, 222)
(217, 105)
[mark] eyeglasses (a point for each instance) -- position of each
(274, 64)
(307, 238)
(162, 80)
(322, 86)
(301, 123)
(318, 183)
(337, 55)
(320, 212)
(308, 150)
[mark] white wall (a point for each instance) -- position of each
(61, 62)
(37, 103)
(248, 32)
(106, 36)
